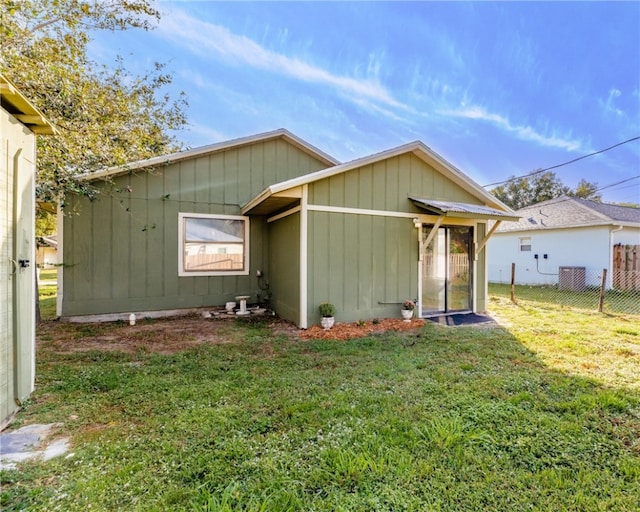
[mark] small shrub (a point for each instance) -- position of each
(327, 309)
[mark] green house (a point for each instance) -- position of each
(272, 217)
(20, 121)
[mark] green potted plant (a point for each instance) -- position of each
(327, 312)
(407, 309)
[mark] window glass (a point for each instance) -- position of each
(213, 245)
(525, 244)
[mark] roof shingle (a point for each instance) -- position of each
(566, 212)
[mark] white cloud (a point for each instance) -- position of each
(608, 104)
(523, 132)
(207, 38)
(200, 135)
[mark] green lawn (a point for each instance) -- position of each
(49, 274)
(543, 414)
(48, 293)
(615, 301)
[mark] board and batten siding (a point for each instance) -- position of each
(480, 283)
(359, 262)
(284, 266)
(386, 184)
(121, 251)
(17, 285)
(366, 264)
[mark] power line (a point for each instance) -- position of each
(562, 164)
(634, 186)
(618, 183)
(569, 198)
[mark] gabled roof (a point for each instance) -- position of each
(268, 201)
(214, 148)
(47, 241)
(570, 212)
(200, 230)
(13, 101)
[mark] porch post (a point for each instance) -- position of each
(304, 211)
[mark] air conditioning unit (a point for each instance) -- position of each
(572, 279)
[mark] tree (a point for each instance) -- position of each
(105, 116)
(541, 186)
(586, 190)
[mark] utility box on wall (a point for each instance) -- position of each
(572, 279)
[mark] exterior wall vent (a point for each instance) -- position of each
(572, 279)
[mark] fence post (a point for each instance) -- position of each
(602, 288)
(513, 283)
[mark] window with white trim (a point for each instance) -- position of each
(213, 245)
(525, 244)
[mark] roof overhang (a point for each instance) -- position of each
(14, 102)
(164, 160)
(271, 201)
(264, 203)
(507, 230)
(462, 210)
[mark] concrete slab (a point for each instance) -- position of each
(29, 442)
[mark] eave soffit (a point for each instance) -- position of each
(16, 104)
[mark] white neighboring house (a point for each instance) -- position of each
(565, 241)
(46, 251)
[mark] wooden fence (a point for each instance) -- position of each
(458, 265)
(204, 262)
(626, 267)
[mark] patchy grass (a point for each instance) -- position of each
(49, 274)
(543, 414)
(597, 346)
(48, 294)
(616, 302)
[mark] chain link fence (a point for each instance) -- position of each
(578, 287)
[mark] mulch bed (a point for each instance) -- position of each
(346, 331)
(170, 335)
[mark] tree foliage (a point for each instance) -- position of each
(105, 116)
(541, 186)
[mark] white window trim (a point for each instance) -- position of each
(181, 234)
(524, 241)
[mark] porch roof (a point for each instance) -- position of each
(462, 210)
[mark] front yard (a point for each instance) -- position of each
(542, 413)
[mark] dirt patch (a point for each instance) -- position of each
(170, 335)
(161, 336)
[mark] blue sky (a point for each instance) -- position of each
(496, 88)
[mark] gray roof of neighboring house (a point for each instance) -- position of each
(47, 241)
(207, 230)
(570, 212)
